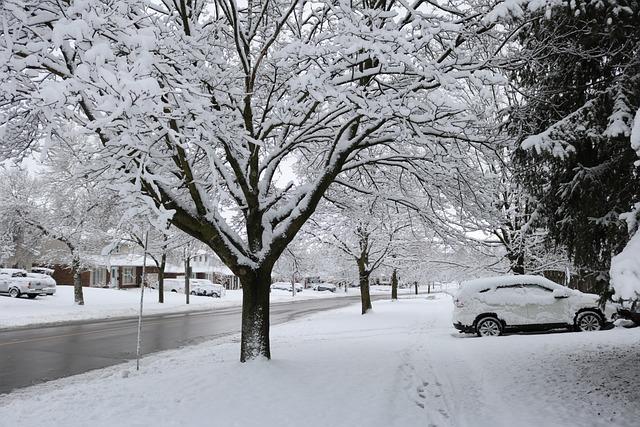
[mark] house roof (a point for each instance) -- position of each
(211, 269)
(127, 260)
(136, 260)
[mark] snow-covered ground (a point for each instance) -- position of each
(110, 303)
(401, 365)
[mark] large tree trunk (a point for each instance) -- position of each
(254, 342)
(365, 296)
(163, 265)
(394, 285)
(78, 296)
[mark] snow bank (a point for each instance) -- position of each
(625, 271)
(635, 133)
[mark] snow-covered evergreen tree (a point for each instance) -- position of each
(581, 90)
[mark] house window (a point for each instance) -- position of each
(99, 277)
(128, 276)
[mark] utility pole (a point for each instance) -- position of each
(293, 283)
(187, 273)
(144, 280)
(294, 269)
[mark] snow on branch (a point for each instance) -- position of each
(199, 107)
(554, 138)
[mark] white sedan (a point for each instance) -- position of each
(493, 305)
(201, 287)
(286, 286)
(324, 287)
(15, 282)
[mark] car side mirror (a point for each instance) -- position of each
(560, 293)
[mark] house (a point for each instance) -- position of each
(124, 270)
(114, 271)
(205, 265)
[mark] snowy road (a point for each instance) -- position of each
(402, 365)
(37, 354)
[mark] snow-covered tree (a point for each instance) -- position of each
(59, 206)
(19, 244)
(297, 261)
(581, 90)
(197, 104)
(365, 230)
(164, 243)
(518, 227)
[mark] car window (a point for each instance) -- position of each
(537, 289)
(509, 287)
(507, 290)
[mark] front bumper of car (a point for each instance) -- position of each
(464, 328)
(49, 291)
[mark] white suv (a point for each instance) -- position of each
(493, 305)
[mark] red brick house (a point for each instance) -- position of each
(114, 271)
(125, 271)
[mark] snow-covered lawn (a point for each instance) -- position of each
(109, 303)
(402, 365)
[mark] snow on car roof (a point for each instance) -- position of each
(12, 270)
(478, 285)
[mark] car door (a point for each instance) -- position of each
(4, 282)
(542, 307)
(173, 285)
(508, 302)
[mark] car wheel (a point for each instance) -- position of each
(14, 292)
(489, 327)
(173, 290)
(32, 296)
(588, 321)
(193, 292)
